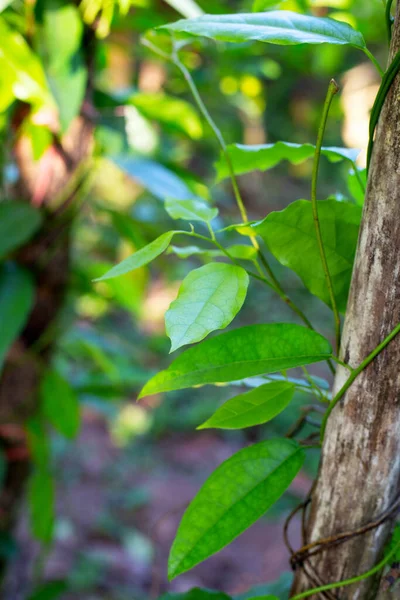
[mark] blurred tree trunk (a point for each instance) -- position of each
(56, 175)
(359, 477)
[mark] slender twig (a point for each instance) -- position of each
(342, 364)
(274, 283)
(355, 373)
(389, 19)
(332, 90)
(352, 580)
(374, 61)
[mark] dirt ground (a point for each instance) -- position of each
(118, 510)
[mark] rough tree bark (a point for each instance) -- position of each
(359, 476)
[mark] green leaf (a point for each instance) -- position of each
(60, 404)
(269, 597)
(16, 301)
(241, 353)
(194, 209)
(156, 178)
(18, 222)
(22, 68)
(266, 156)
(141, 257)
(59, 38)
(281, 27)
(38, 442)
(196, 594)
(187, 8)
(237, 251)
(260, 5)
(50, 590)
(187, 251)
(41, 504)
(209, 299)
(234, 497)
(280, 588)
(252, 408)
(353, 184)
(290, 236)
(242, 252)
(171, 112)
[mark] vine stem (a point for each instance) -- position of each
(352, 580)
(274, 283)
(388, 18)
(332, 90)
(374, 61)
(355, 373)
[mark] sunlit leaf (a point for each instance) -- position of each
(18, 222)
(241, 353)
(16, 301)
(265, 156)
(193, 209)
(187, 251)
(141, 257)
(59, 35)
(252, 408)
(60, 404)
(171, 112)
(234, 497)
(290, 236)
(259, 5)
(22, 68)
(281, 27)
(208, 299)
(187, 8)
(236, 251)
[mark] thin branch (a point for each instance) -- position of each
(332, 90)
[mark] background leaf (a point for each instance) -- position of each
(196, 594)
(234, 497)
(290, 236)
(265, 156)
(171, 112)
(252, 408)
(21, 68)
(60, 404)
(281, 27)
(187, 8)
(209, 299)
(16, 300)
(59, 39)
(41, 504)
(18, 222)
(156, 178)
(50, 590)
(241, 353)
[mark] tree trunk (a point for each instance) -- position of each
(359, 476)
(46, 257)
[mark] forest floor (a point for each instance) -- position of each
(118, 510)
